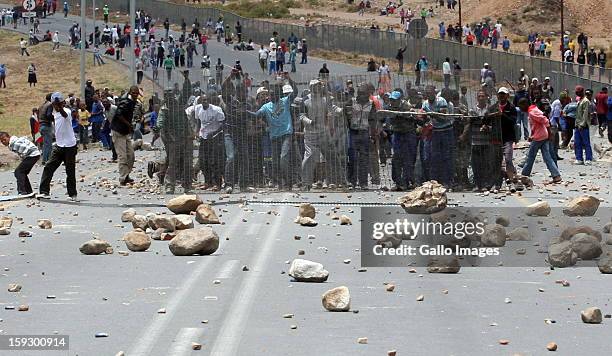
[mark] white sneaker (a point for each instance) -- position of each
(73, 199)
(578, 162)
(43, 196)
(587, 163)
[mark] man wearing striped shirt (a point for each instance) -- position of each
(29, 154)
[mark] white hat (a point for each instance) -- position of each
(314, 82)
(287, 89)
(261, 90)
(534, 80)
(546, 78)
(486, 64)
(503, 90)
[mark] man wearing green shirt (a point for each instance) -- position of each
(582, 140)
(105, 11)
(169, 66)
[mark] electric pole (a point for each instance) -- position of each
(83, 40)
(133, 41)
(562, 46)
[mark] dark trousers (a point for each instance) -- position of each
(59, 155)
(404, 158)
(212, 159)
(96, 129)
(569, 131)
(358, 157)
(443, 155)
(180, 163)
(253, 160)
(21, 173)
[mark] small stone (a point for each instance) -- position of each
(551, 346)
(337, 299)
(14, 288)
(504, 342)
(94, 247)
(307, 271)
(196, 346)
(44, 224)
(345, 220)
(507, 300)
(541, 208)
(101, 334)
(293, 327)
(128, 215)
(420, 298)
(307, 210)
(25, 234)
(301, 252)
(161, 311)
(288, 316)
(297, 237)
(216, 281)
(245, 268)
(23, 307)
(391, 353)
(390, 287)
(591, 315)
(362, 340)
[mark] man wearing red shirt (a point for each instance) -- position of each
(601, 105)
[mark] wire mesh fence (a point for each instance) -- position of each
(298, 132)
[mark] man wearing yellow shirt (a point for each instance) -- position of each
(572, 45)
(84, 125)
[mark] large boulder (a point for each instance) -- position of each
(139, 222)
(586, 246)
(307, 271)
(94, 247)
(584, 205)
(541, 208)
(183, 222)
(189, 242)
(137, 241)
(128, 215)
(494, 236)
(205, 214)
(184, 204)
(429, 198)
(443, 264)
(149, 218)
(165, 222)
(307, 210)
(337, 299)
(561, 254)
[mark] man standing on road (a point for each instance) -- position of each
(64, 151)
(209, 124)
(45, 119)
(29, 154)
(105, 11)
(176, 133)
(582, 139)
(304, 52)
(601, 105)
(169, 66)
(263, 58)
(122, 128)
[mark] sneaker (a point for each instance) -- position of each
(556, 179)
(150, 169)
(44, 196)
(578, 162)
(588, 163)
(229, 190)
(73, 199)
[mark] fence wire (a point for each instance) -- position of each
(296, 132)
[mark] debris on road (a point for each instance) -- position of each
(184, 204)
(94, 247)
(307, 271)
(337, 299)
(203, 241)
(428, 198)
(591, 315)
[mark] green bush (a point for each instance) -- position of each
(265, 8)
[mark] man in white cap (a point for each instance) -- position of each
(64, 151)
(523, 78)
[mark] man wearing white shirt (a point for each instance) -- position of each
(263, 58)
(55, 40)
(64, 151)
(446, 71)
(209, 123)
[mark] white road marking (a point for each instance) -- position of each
(227, 270)
(253, 228)
(181, 345)
(151, 334)
(228, 339)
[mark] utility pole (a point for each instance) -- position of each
(562, 46)
(133, 41)
(93, 10)
(460, 22)
(83, 40)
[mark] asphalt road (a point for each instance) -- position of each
(121, 295)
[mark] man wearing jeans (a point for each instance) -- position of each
(45, 118)
(582, 139)
(277, 113)
(64, 151)
(442, 139)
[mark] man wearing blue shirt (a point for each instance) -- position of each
(277, 113)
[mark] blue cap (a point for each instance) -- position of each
(395, 95)
(57, 97)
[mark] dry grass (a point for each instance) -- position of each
(57, 71)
